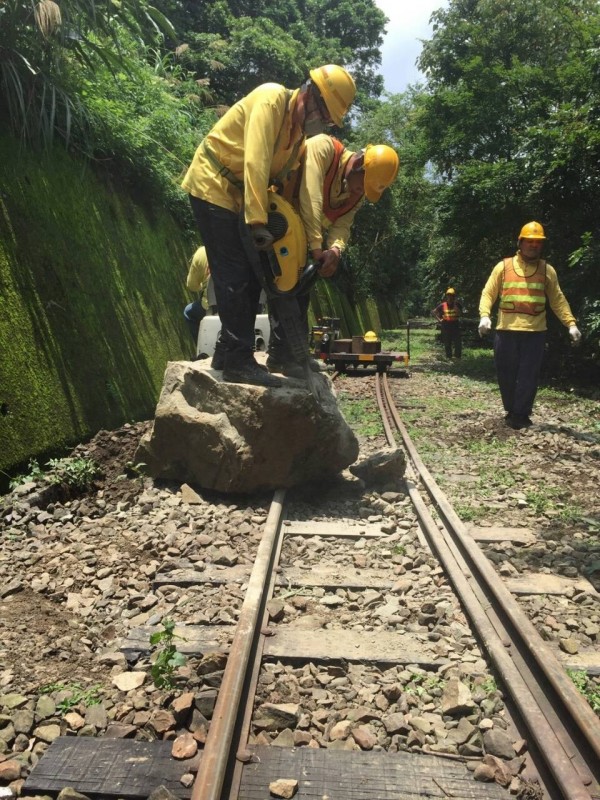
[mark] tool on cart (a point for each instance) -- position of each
(327, 345)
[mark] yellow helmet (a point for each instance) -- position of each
(381, 168)
(532, 230)
(450, 291)
(337, 89)
(370, 336)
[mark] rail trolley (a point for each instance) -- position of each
(365, 351)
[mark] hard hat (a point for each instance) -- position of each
(450, 291)
(337, 89)
(370, 336)
(381, 168)
(532, 230)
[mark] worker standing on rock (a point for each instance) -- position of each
(448, 313)
(523, 283)
(257, 143)
(328, 189)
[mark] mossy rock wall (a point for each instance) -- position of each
(92, 288)
(355, 319)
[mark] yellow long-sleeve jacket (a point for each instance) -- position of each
(198, 273)
(525, 322)
(317, 161)
(255, 139)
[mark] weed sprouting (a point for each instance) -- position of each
(73, 694)
(167, 658)
(362, 415)
(76, 473)
(586, 687)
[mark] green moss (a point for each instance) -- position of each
(93, 288)
(357, 318)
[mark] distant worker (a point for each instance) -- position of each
(328, 190)
(522, 284)
(257, 143)
(197, 280)
(448, 313)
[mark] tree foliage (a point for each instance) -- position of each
(389, 237)
(511, 120)
(237, 45)
(41, 41)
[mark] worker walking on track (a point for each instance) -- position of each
(522, 284)
(448, 313)
(257, 143)
(328, 189)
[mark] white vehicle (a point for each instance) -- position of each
(210, 326)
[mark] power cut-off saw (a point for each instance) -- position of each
(283, 273)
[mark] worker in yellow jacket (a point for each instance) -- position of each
(257, 143)
(328, 189)
(522, 284)
(197, 281)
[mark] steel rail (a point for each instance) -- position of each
(582, 714)
(243, 755)
(217, 750)
(558, 747)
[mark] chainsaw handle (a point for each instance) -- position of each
(308, 277)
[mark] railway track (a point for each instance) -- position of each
(283, 675)
(559, 723)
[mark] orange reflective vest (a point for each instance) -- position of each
(521, 295)
(331, 213)
(449, 314)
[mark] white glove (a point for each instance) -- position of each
(575, 334)
(485, 326)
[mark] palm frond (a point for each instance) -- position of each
(47, 17)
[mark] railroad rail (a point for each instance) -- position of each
(565, 730)
(561, 730)
(561, 727)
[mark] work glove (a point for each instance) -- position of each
(262, 237)
(485, 326)
(575, 334)
(329, 262)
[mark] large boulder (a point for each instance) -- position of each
(237, 438)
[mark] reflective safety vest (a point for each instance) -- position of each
(331, 213)
(449, 314)
(521, 295)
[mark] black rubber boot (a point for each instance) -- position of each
(218, 359)
(289, 368)
(249, 372)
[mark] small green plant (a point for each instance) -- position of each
(75, 472)
(492, 447)
(469, 513)
(423, 684)
(134, 471)
(398, 550)
(34, 473)
(74, 694)
(586, 687)
(538, 501)
(167, 658)
(362, 415)
(489, 685)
